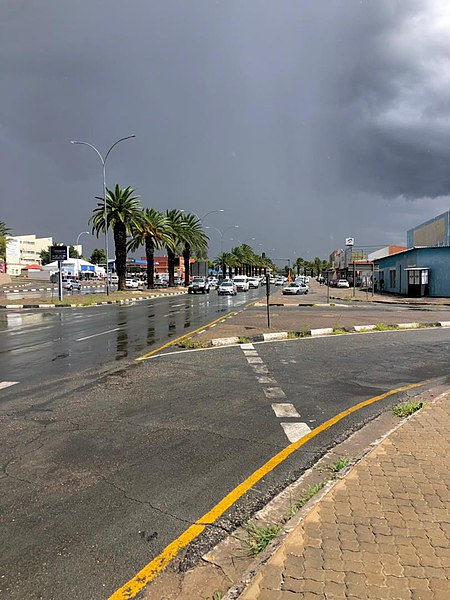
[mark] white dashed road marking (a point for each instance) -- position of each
(293, 430)
(285, 409)
(5, 384)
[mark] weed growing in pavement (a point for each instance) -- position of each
(191, 344)
(243, 340)
(340, 464)
(292, 335)
(405, 409)
(300, 503)
(304, 332)
(338, 331)
(384, 327)
(258, 538)
(217, 595)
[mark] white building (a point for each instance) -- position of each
(24, 250)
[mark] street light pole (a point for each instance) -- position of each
(103, 160)
(80, 234)
(222, 233)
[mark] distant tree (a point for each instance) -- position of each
(98, 256)
(73, 252)
(45, 256)
(4, 230)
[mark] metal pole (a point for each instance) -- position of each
(106, 228)
(328, 287)
(354, 280)
(267, 299)
(60, 287)
(103, 161)
(373, 278)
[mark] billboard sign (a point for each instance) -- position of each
(58, 253)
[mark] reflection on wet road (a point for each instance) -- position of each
(40, 345)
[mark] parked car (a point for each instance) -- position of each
(253, 282)
(241, 283)
(113, 278)
(342, 283)
(295, 288)
(227, 288)
(71, 285)
(132, 284)
(198, 285)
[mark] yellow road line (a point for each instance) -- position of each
(158, 564)
(183, 337)
(186, 335)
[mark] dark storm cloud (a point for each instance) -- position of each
(290, 114)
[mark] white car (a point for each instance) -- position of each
(253, 282)
(241, 283)
(227, 288)
(295, 288)
(342, 283)
(132, 284)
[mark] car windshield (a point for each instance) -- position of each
(197, 280)
(227, 284)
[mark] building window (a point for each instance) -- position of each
(414, 277)
(392, 278)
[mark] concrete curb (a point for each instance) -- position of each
(284, 335)
(110, 302)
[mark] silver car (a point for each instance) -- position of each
(295, 288)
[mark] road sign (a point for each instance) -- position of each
(58, 253)
(349, 241)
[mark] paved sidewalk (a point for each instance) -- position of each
(382, 532)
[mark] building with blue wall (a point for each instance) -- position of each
(415, 272)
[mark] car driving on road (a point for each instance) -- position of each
(295, 288)
(253, 282)
(198, 285)
(241, 283)
(227, 288)
(71, 285)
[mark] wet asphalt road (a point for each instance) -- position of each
(38, 346)
(100, 479)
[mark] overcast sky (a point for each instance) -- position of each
(307, 121)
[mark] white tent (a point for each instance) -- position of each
(75, 267)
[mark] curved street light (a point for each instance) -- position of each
(80, 234)
(220, 210)
(103, 160)
(222, 233)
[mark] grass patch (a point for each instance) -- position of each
(217, 595)
(258, 538)
(385, 327)
(292, 335)
(304, 332)
(405, 409)
(338, 466)
(243, 340)
(338, 331)
(191, 344)
(300, 503)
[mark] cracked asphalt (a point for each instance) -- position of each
(99, 477)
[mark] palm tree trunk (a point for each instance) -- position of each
(186, 257)
(150, 255)
(120, 242)
(171, 267)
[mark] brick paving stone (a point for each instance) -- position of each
(382, 532)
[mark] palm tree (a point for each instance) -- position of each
(123, 215)
(174, 243)
(153, 232)
(193, 238)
